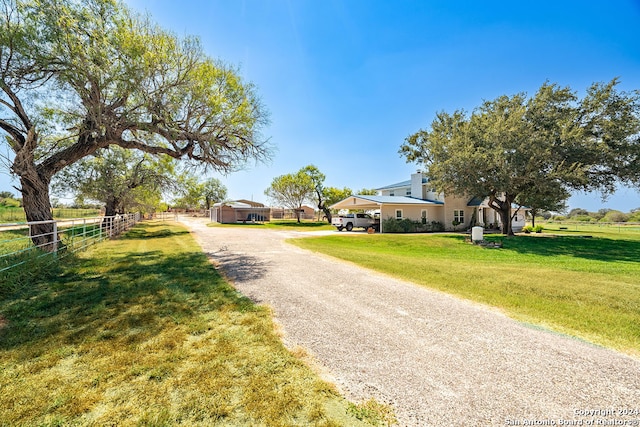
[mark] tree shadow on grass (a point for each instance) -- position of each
(131, 298)
(592, 248)
(302, 224)
(144, 233)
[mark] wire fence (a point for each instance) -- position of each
(619, 227)
(24, 246)
(16, 214)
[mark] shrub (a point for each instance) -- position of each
(615, 216)
(538, 228)
(527, 229)
(392, 225)
(634, 217)
(437, 226)
(10, 203)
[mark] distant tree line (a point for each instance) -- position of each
(602, 215)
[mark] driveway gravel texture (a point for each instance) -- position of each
(435, 358)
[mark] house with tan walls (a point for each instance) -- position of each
(416, 200)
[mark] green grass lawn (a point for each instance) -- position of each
(284, 224)
(612, 231)
(144, 331)
(11, 214)
(588, 287)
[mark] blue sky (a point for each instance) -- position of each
(347, 81)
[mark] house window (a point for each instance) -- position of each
(392, 194)
(408, 193)
(458, 216)
(424, 216)
(398, 213)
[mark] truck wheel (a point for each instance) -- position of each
(340, 228)
(349, 227)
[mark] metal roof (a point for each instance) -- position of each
(359, 201)
(476, 201)
(401, 184)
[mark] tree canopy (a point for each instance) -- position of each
(76, 77)
(367, 192)
(196, 194)
(533, 149)
(213, 191)
(333, 195)
(292, 190)
(317, 178)
(123, 180)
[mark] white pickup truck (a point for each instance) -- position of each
(350, 221)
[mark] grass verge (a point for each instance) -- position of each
(585, 287)
(144, 331)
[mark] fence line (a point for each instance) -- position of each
(17, 245)
(586, 225)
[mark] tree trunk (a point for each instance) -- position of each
(327, 213)
(505, 218)
(110, 207)
(109, 214)
(322, 206)
(533, 217)
(503, 207)
(297, 211)
(37, 207)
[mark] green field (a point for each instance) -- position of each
(144, 331)
(584, 285)
(11, 214)
(613, 231)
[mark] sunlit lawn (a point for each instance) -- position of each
(285, 224)
(144, 331)
(588, 287)
(611, 231)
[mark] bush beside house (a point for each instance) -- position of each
(406, 225)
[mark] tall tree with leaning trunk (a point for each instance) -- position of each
(317, 178)
(80, 76)
(292, 190)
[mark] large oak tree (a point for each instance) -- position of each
(533, 149)
(76, 77)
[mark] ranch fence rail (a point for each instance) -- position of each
(68, 236)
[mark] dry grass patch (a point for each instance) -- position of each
(144, 331)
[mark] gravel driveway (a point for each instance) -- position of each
(437, 359)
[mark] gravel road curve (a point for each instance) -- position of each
(437, 359)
